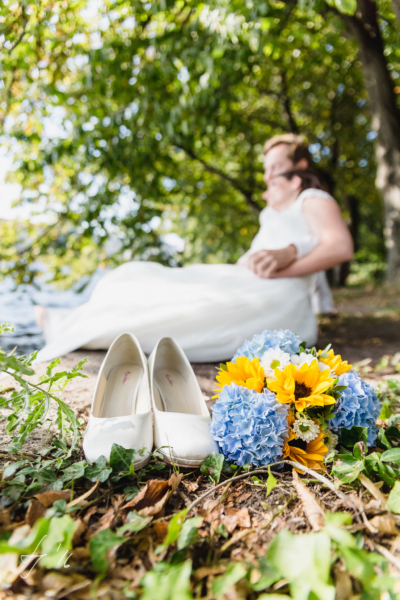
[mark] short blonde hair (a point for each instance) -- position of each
(296, 144)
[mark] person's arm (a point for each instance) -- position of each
(335, 244)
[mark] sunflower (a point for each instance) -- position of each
(304, 387)
(309, 454)
(334, 362)
(245, 372)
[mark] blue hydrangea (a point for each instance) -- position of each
(249, 427)
(284, 339)
(358, 405)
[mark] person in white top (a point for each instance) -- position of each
(330, 237)
(211, 309)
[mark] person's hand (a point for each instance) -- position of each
(265, 263)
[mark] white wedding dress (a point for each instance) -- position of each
(209, 309)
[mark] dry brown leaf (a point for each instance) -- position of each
(35, 511)
(207, 571)
(106, 520)
(152, 498)
(48, 498)
(312, 508)
(235, 517)
(4, 518)
(80, 501)
(80, 528)
(243, 497)
(343, 585)
(89, 514)
(373, 489)
(385, 524)
(160, 529)
(55, 582)
(211, 511)
(190, 486)
(132, 572)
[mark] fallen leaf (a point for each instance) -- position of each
(161, 529)
(79, 531)
(152, 498)
(55, 582)
(311, 506)
(385, 524)
(89, 514)
(373, 489)
(106, 520)
(80, 501)
(343, 585)
(190, 486)
(4, 518)
(243, 497)
(48, 498)
(35, 511)
(235, 517)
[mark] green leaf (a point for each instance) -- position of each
(30, 543)
(188, 533)
(222, 530)
(267, 575)
(98, 470)
(174, 528)
(75, 471)
(58, 542)
(232, 575)
(212, 467)
(121, 458)
(393, 502)
(13, 467)
(135, 523)
(271, 482)
(348, 7)
(168, 582)
(100, 544)
(349, 437)
(392, 455)
(305, 561)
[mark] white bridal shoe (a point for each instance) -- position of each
(181, 416)
(121, 408)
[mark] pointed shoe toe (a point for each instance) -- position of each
(181, 417)
(121, 406)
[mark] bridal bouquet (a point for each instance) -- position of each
(278, 399)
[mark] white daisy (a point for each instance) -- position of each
(306, 358)
(306, 429)
(331, 440)
(274, 358)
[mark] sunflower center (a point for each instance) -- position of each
(298, 444)
(301, 390)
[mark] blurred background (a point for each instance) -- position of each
(134, 130)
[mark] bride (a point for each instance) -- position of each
(211, 309)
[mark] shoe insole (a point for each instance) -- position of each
(121, 391)
(174, 391)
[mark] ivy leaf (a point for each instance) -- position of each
(100, 544)
(349, 437)
(393, 502)
(58, 542)
(98, 471)
(121, 458)
(392, 455)
(168, 582)
(13, 467)
(188, 534)
(174, 528)
(212, 467)
(232, 575)
(75, 471)
(135, 523)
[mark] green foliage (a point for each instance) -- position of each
(188, 533)
(232, 575)
(29, 406)
(393, 503)
(163, 110)
(168, 582)
(212, 467)
(100, 544)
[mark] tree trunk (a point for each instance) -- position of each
(385, 121)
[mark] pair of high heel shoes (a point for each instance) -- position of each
(129, 389)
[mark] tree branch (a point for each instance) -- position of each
(287, 105)
(396, 9)
(248, 194)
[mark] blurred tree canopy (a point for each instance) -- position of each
(130, 121)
